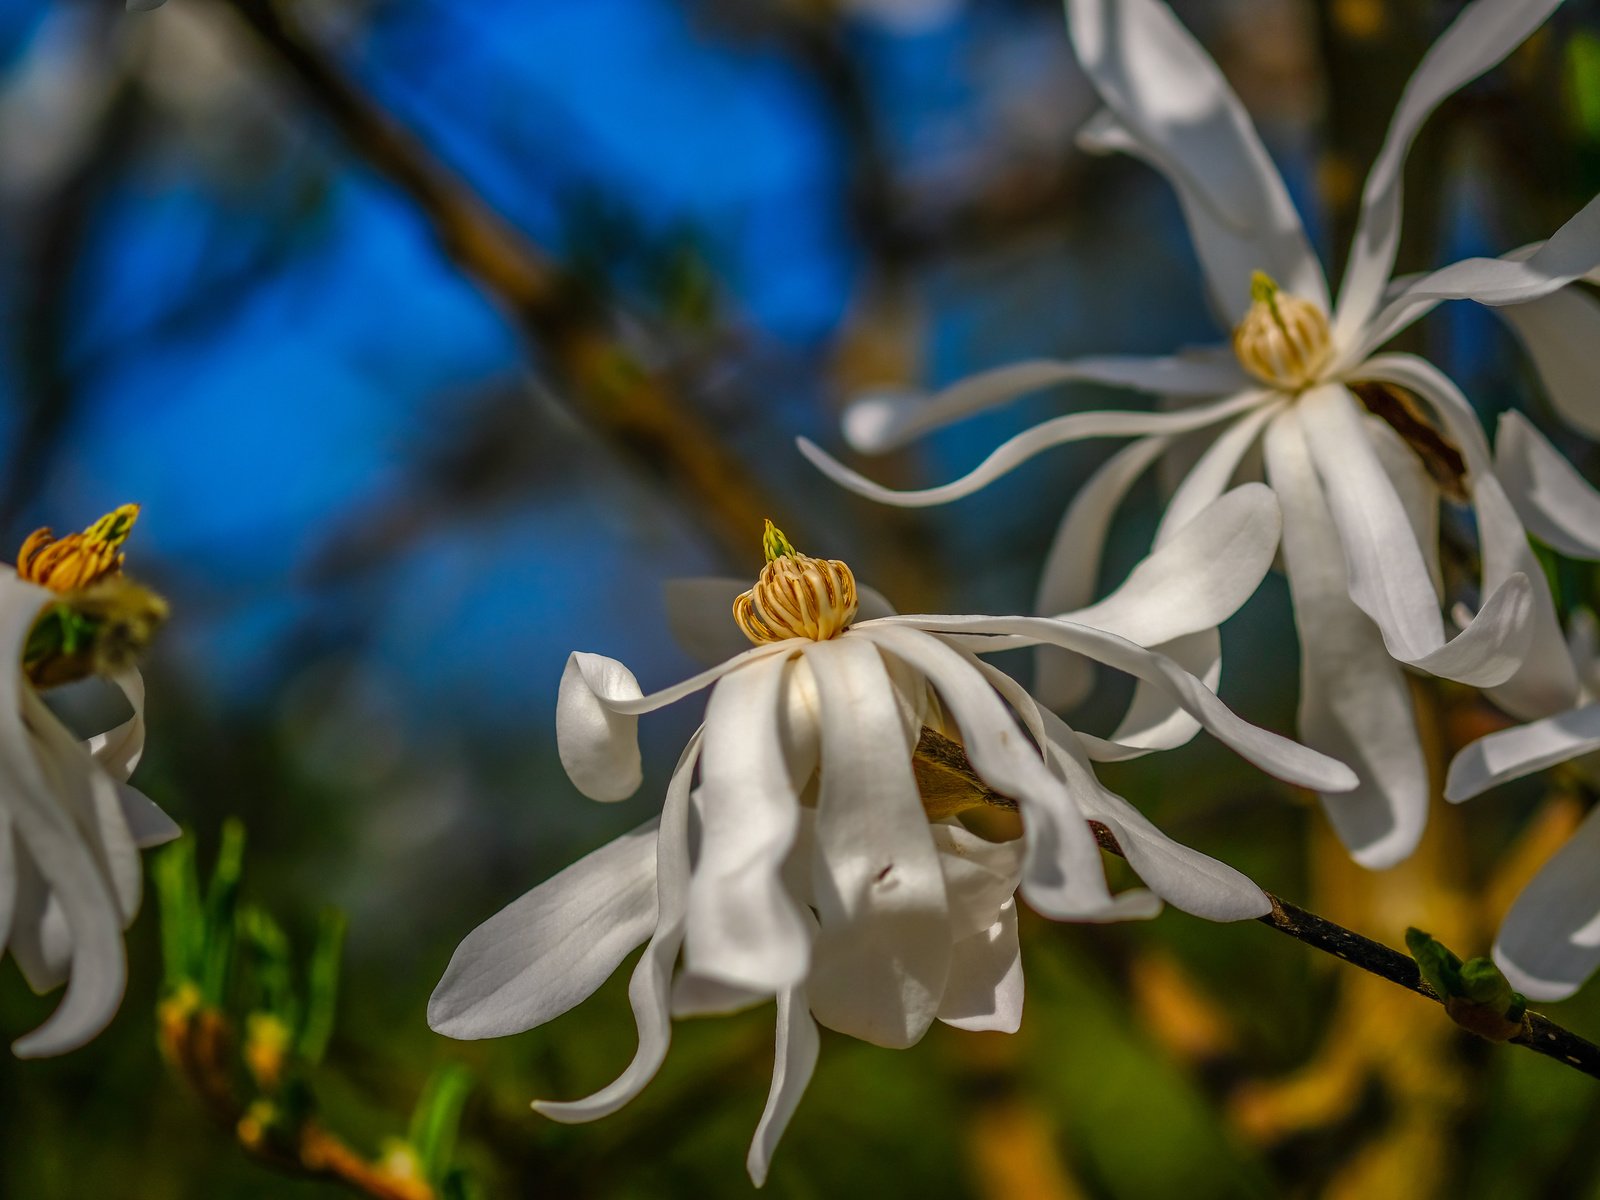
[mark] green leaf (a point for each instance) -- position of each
(436, 1119)
(270, 977)
(183, 931)
(1482, 983)
(322, 985)
(1440, 967)
(222, 896)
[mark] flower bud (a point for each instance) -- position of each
(1283, 340)
(796, 595)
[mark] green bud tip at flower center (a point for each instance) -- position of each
(796, 596)
(101, 621)
(1283, 340)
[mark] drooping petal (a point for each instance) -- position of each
(1277, 755)
(743, 927)
(1483, 34)
(883, 952)
(794, 1059)
(597, 711)
(1211, 473)
(147, 823)
(1546, 682)
(1004, 759)
(41, 940)
(8, 881)
(1171, 102)
(650, 989)
(879, 422)
(1072, 566)
(1155, 720)
(1418, 493)
(1354, 702)
(1515, 278)
(980, 876)
(1389, 578)
(1555, 502)
(1509, 754)
(119, 750)
(549, 950)
(52, 843)
(1549, 943)
(700, 615)
(1560, 332)
(1009, 455)
(985, 989)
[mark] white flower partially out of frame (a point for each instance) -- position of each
(817, 877)
(71, 829)
(1360, 512)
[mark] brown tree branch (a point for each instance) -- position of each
(635, 409)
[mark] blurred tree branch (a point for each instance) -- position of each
(634, 407)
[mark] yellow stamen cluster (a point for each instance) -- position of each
(78, 560)
(1283, 340)
(796, 595)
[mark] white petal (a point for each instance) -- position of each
(882, 421)
(794, 1059)
(41, 941)
(51, 841)
(8, 881)
(884, 948)
(1009, 455)
(1199, 577)
(694, 996)
(1560, 332)
(1514, 278)
(743, 927)
(1354, 702)
(1549, 942)
(119, 750)
(1155, 720)
(985, 989)
(1173, 104)
(1509, 754)
(1418, 494)
(1555, 502)
(1213, 471)
(1546, 682)
(1389, 577)
(1483, 34)
(700, 615)
(1072, 566)
(1277, 755)
(980, 876)
(549, 950)
(597, 710)
(1003, 758)
(650, 989)
(148, 825)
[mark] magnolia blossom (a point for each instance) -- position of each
(1358, 444)
(71, 827)
(1549, 942)
(828, 867)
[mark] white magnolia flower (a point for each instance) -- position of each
(1358, 444)
(820, 873)
(1549, 942)
(71, 827)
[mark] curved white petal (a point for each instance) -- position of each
(8, 882)
(1515, 278)
(549, 950)
(1009, 455)
(883, 951)
(1354, 702)
(1560, 332)
(1275, 754)
(1003, 758)
(1171, 102)
(41, 941)
(1418, 493)
(54, 845)
(744, 928)
(1509, 754)
(980, 876)
(650, 989)
(794, 1059)
(147, 823)
(1389, 578)
(878, 422)
(1155, 720)
(1211, 473)
(1557, 504)
(985, 989)
(1072, 567)
(119, 750)
(700, 615)
(597, 711)
(1546, 682)
(1483, 34)
(1549, 942)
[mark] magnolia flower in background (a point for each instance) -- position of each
(1359, 445)
(71, 827)
(833, 868)
(1549, 942)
